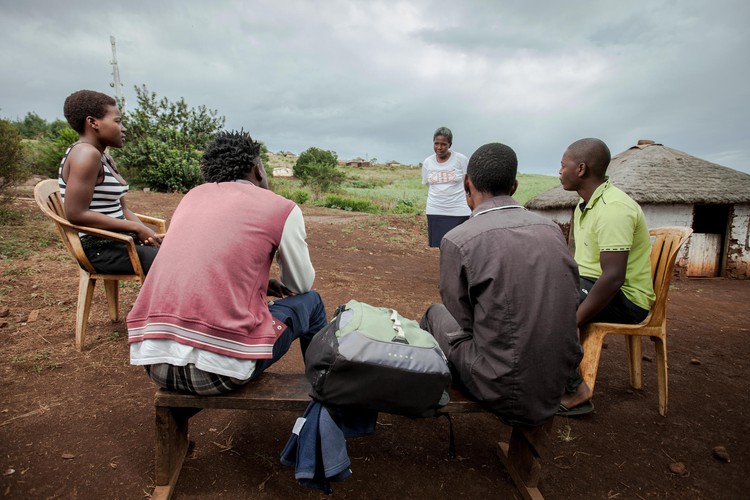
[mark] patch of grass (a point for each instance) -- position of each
(404, 207)
(8, 215)
(19, 271)
(350, 204)
(23, 233)
(530, 185)
(39, 361)
(13, 248)
(62, 256)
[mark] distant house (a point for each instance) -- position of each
(283, 172)
(676, 189)
(358, 162)
(393, 163)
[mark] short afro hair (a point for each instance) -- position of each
(230, 156)
(85, 103)
(492, 169)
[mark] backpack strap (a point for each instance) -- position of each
(400, 335)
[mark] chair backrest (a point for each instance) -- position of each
(47, 196)
(667, 242)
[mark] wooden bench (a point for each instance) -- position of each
(290, 392)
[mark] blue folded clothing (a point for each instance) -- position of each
(317, 447)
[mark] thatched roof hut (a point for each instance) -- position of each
(675, 188)
(655, 174)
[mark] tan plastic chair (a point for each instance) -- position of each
(47, 196)
(667, 242)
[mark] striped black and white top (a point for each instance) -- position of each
(107, 195)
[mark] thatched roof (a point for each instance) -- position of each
(655, 174)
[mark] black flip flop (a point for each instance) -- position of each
(581, 409)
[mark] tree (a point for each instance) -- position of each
(32, 126)
(12, 169)
(57, 126)
(263, 153)
(313, 156)
(48, 151)
(164, 141)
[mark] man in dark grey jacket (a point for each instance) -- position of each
(509, 288)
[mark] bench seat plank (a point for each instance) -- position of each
(279, 392)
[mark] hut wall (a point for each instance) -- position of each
(738, 253)
(562, 216)
(668, 215)
(671, 215)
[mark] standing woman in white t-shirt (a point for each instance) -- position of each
(444, 173)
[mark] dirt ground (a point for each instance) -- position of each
(81, 425)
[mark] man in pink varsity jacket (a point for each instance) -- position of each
(202, 322)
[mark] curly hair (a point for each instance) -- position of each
(230, 156)
(85, 103)
(492, 168)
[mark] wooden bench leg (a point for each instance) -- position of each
(171, 448)
(521, 457)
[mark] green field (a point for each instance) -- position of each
(388, 189)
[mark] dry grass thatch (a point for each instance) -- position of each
(656, 174)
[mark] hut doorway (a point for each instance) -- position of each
(708, 242)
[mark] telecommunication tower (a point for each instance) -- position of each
(116, 82)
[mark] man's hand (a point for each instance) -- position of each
(277, 289)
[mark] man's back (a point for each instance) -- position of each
(508, 279)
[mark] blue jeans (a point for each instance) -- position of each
(304, 315)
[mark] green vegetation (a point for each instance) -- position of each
(12, 169)
(43, 156)
(38, 362)
(530, 185)
(350, 204)
(165, 142)
(313, 156)
(22, 234)
(383, 189)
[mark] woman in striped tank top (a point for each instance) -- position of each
(92, 189)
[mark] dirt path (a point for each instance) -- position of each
(80, 425)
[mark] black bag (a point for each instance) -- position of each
(373, 358)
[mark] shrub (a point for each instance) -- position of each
(350, 204)
(12, 169)
(404, 207)
(298, 196)
(173, 170)
(310, 157)
(43, 156)
(322, 177)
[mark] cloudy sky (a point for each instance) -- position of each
(375, 79)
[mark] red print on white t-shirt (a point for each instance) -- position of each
(443, 177)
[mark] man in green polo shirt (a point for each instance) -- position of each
(612, 249)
